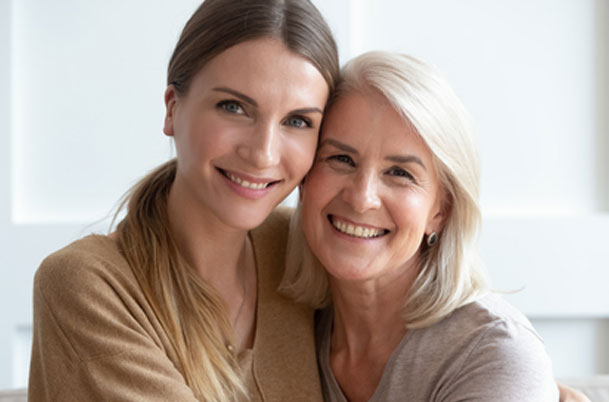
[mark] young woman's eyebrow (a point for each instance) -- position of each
(406, 159)
(307, 110)
(238, 94)
(252, 102)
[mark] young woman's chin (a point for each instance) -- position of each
(244, 219)
(243, 213)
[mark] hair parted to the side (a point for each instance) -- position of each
(190, 310)
(220, 24)
(451, 272)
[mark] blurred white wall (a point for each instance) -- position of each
(81, 86)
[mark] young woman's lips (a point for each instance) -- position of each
(248, 186)
(356, 230)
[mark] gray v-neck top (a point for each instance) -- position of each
(483, 351)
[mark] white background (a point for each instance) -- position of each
(81, 86)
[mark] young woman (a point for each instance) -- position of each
(390, 212)
(179, 303)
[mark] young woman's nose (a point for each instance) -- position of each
(362, 192)
(262, 148)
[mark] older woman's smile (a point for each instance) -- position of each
(358, 230)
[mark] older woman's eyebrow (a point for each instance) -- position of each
(238, 94)
(406, 159)
(340, 145)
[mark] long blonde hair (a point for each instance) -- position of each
(190, 310)
(451, 272)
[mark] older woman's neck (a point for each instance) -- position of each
(366, 330)
(365, 313)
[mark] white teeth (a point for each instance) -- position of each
(245, 183)
(357, 231)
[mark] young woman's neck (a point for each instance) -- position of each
(222, 256)
(217, 252)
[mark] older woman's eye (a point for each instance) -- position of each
(231, 106)
(298, 122)
(341, 158)
(399, 172)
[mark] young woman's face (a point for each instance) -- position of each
(246, 131)
(371, 194)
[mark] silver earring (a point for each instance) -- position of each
(432, 238)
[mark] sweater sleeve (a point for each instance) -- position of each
(92, 341)
(507, 363)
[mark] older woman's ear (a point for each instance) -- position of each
(441, 214)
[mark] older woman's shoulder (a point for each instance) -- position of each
(505, 350)
(488, 342)
(491, 310)
(487, 319)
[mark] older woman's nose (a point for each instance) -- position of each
(362, 193)
(262, 148)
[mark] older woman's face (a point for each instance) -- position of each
(371, 194)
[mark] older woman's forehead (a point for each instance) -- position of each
(357, 111)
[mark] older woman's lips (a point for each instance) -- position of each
(356, 230)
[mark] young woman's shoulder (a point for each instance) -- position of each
(96, 337)
(272, 235)
(278, 220)
(86, 261)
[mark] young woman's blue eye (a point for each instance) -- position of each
(342, 158)
(298, 122)
(399, 172)
(231, 107)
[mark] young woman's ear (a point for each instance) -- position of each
(171, 98)
(300, 191)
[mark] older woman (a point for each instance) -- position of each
(390, 210)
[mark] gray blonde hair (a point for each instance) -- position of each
(451, 273)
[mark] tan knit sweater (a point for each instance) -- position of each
(97, 339)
